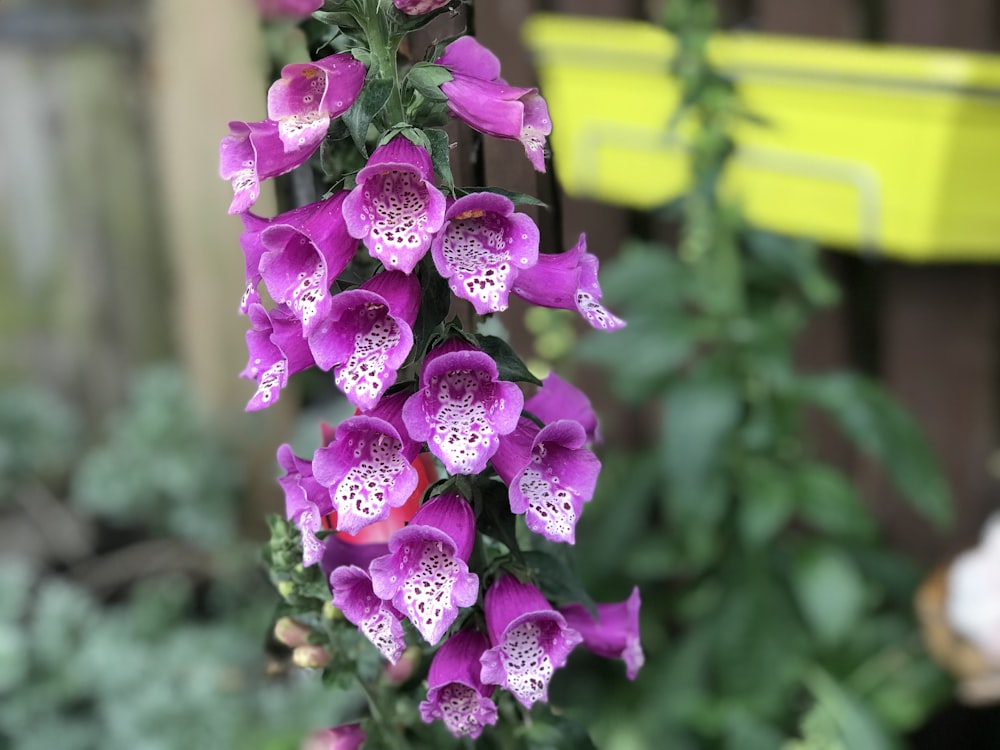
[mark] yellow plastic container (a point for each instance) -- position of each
(888, 149)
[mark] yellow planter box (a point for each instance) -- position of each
(890, 149)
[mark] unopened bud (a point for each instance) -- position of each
(290, 632)
(310, 657)
(286, 589)
(402, 670)
(331, 612)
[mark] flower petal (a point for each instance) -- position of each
(560, 399)
(530, 640)
(462, 409)
(567, 281)
(395, 207)
(560, 477)
(362, 341)
(306, 250)
(615, 632)
(309, 95)
(455, 693)
(425, 573)
(251, 153)
(483, 247)
(365, 471)
(377, 621)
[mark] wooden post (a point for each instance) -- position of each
(82, 289)
(208, 67)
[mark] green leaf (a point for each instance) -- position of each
(829, 590)
(885, 431)
(441, 156)
(340, 18)
(643, 357)
(556, 581)
(414, 135)
(768, 502)
(435, 301)
(493, 516)
(547, 731)
(699, 418)
(830, 504)
(744, 731)
(406, 24)
(509, 365)
(427, 79)
(370, 101)
(855, 724)
(794, 260)
(511, 195)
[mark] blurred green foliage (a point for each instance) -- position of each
(161, 466)
(773, 614)
(39, 438)
(171, 656)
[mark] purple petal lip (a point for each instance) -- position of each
(455, 693)
(467, 56)
(560, 399)
(615, 632)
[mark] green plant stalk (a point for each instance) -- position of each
(384, 47)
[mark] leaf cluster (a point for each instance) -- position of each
(772, 609)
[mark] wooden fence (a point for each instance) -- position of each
(110, 140)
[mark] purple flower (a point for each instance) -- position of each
(615, 632)
(276, 350)
(455, 692)
(559, 399)
(418, 7)
(483, 247)
(425, 574)
(390, 409)
(461, 408)
(274, 8)
(339, 553)
(550, 475)
(480, 98)
(567, 281)
(395, 207)
(305, 250)
(344, 737)
(253, 152)
(306, 501)
(377, 620)
(530, 640)
(367, 336)
(309, 95)
(253, 249)
(535, 129)
(367, 471)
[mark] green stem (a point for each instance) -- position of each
(392, 738)
(384, 47)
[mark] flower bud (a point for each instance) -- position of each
(290, 632)
(331, 612)
(402, 670)
(310, 657)
(286, 589)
